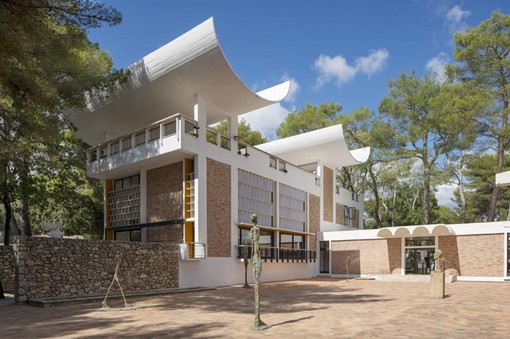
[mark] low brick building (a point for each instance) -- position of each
(478, 251)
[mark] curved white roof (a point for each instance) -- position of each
(165, 83)
(326, 145)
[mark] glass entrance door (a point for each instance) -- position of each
(419, 255)
(419, 261)
(324, 257)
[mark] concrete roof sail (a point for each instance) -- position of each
(503, 179)
(326, 145)
(165, 83)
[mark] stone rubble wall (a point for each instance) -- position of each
(48, 268)
(7, 268)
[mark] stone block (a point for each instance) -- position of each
(437, 284)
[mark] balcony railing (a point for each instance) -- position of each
(215, 137)
(140, 138)
(278, 254)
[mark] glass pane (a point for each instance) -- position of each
(136, 235)
(170, 128)
(421, 241)
(419, 261)
(117, 185)
(266, 239)
(122, 236)
(244, 236)
(135, 180)
(285, 240)
(299, 242)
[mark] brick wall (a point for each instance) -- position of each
(473, 255)
(7, 268)
(366, 256)
(355, 220)
(62, 268)
(219, 219)
(339, 214)
(314, 215)
(164, 193)
(328, 194)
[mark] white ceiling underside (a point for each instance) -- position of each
(326, 146)
(165, 83)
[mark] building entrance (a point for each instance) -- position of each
(419, 255)
(324, 257)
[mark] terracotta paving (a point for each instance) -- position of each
(302, 309)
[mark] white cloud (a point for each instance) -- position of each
(294, 88)
(337, 69)
(333, 69)
(455, 19)
(444, 195)
(266, 119)
(374, 62)
(437, 65)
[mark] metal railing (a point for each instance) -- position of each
(278, 254)
(142, 137)
(217, 138)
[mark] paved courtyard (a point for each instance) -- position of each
(304, 308)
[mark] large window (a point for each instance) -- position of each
(256, 195)
(131, 235)
(293, 241)
(292, 208)
(124, 201)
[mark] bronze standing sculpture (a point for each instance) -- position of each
(256, 262)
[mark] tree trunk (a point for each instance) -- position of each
(501, 152)
(463, 205)
(8, 214)
(393, 207)
(6, 200)
(377, 204)
(426, 193)
(495, 190)
(26, 226)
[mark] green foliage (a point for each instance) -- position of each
(47, 64)
(481, 182)
(433, 120)
(64, 191)
(310, 118)
(445, 215)
(483, 56)
(401, 207)
(245, 133)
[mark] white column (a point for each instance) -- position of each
(200, 115)
(233, 132)
(143, 203)
(320, 174)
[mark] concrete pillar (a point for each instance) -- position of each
(200, 115)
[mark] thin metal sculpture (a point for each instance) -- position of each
(256, 262)
(245, 257)
(105, 306)
(347, 265)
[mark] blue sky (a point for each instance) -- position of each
(333, 51)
